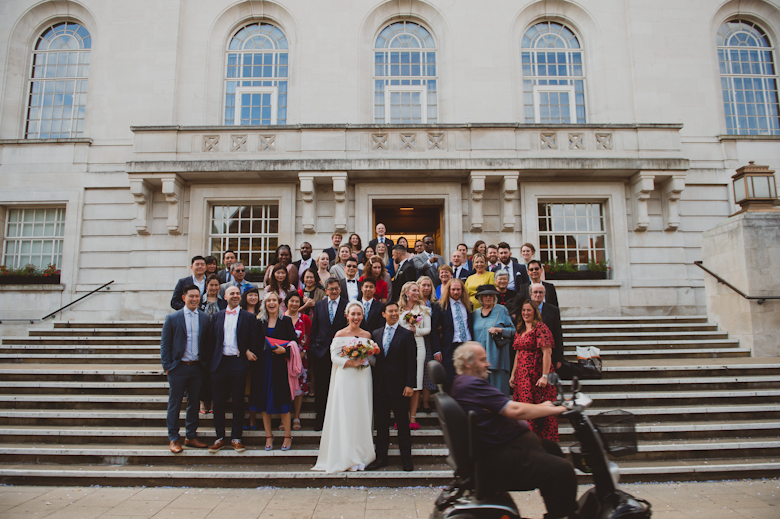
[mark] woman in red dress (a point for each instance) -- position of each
(534, 344)
(302, 325)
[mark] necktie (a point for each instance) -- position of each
(232, 312)
(332, 310)
(461, 324)
(388, 338)
(382, 239)
(366, 308)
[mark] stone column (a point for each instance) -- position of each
(745, 251)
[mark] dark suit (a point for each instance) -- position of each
(345, 294)
(182, 377)
(392, 373)
(228, 373)
(322, 332)
(465, 272)
(447, 323)
(223, 276)
(374, 319)
(405, 273)
(524, 294)
(332, 252)
(551, 316)
(519, 271)
(388, 243)
(176, 301)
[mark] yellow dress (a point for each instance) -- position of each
(473, 281)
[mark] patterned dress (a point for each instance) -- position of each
(528, 371)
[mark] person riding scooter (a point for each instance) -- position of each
(513, 458)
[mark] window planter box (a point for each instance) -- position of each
(30, 280)
(583, 274)
(254, 278)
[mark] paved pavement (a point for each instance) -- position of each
(754, 499)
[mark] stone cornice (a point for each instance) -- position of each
(345, 126)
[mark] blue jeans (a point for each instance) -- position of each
(182, 378)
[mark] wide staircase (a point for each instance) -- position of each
(84, 403)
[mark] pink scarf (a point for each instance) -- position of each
(294, 368)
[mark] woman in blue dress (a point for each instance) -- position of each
(270, 390)
(493, 318)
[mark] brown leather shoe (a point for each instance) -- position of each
(196, 443)
(176, 447)
(218, 445)
(238, 446)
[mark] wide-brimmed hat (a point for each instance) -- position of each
(484, 290)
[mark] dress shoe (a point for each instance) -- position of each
(238, 445)
(377, 464)
(196, 443)
(176, 447)
(408, 466)
(217, 445)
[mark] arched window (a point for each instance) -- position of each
(748, 79)
(256, 76)
(405, 78)
(58, 83)
(553, 75)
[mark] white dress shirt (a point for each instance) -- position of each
(303, 267)
(465, 316)
(230, 346)
(353, 294)
(201, 285)
(509, 268)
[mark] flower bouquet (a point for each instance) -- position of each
(360, 349)
(413, 319)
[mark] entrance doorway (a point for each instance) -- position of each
(412, 221)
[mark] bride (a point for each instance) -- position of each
(347, 436)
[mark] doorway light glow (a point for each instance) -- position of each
(407, 208)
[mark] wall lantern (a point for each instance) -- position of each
(755, 189)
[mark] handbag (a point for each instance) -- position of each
(501, 341)
(589, 358)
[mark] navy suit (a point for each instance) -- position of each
(181, 377)
(392, 373)
(332, 252)
(228, 374)
(322, 332)
(519, 271)
(465, 272)
(524, 294)
(551, 316)
(388, 243)
(407, 272)
(176, 301)
(374, 319)
(447, 345)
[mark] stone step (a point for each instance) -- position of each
(663, 353)
(728, 368)
(81, 341)
(636, 319)
(642, 336)
(248, 476)
(109, 324)
(632, 328)
(638, 346)
(97, 332)
(79, 358)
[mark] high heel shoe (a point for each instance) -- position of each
(269, 447)
(289, 446)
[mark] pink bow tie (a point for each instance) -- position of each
(231, 312)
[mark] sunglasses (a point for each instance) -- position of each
(533, 269)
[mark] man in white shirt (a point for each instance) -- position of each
(517, 272)
(372, 308)
(228, 259)
(350, 286)
(428, 262)
(459, 268)
(198, 278)
(381, 238)
(305, 262)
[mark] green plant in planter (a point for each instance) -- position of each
(598, 266)
(30, 270)
(554, 267)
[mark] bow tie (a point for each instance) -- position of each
(351, 281)
(232, 312)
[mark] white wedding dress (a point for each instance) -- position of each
(347, 435)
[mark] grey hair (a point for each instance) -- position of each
(538, 285)
(502, 273)
(234, 265)
(464, 356)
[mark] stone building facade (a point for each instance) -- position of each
(134, 135)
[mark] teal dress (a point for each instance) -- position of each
(500, 359)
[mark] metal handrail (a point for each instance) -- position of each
(759, 299)
(59, 309)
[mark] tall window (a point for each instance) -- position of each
(748, 78)
(405, 77)
(58, 83)
(256, 76)
(553, 75)
(251, 231)
(34, 236)
(572, 232)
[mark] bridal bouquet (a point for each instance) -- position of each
(360, 349)
(413, 319)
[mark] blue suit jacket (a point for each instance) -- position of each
(176, 301)
(173, 342)
(247, 338)
(397, 369)
(322, 330)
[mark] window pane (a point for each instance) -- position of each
(570, 237)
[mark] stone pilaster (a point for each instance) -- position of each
(173, 189)
(308, 194)
(143, 197)
(340, 195)
(509, 187)
(642, 184)
(671, 191)
(476, 191)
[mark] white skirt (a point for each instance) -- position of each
(420, 361)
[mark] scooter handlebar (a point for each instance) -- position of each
(555, 380)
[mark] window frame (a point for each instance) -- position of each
(240, 91)
(400, 89)
(569, 89)
(222, 236)
(62, 222)
(551, 234)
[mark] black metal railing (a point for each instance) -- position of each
(759, 299)
(59, 309)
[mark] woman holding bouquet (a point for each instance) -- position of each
(347, 441)
(415, 317)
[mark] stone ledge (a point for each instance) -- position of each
(46, 141)
(33, 287)
(749, 137)
(586, 283)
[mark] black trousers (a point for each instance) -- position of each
(321, 367)
(528, 463)
(399, 405)
(229, 381)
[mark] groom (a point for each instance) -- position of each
(395, 375)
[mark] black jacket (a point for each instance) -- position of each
(407, 272)
(551, 316)
(247, 338)
(397, 369)
(374, 318)
(322, 330)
